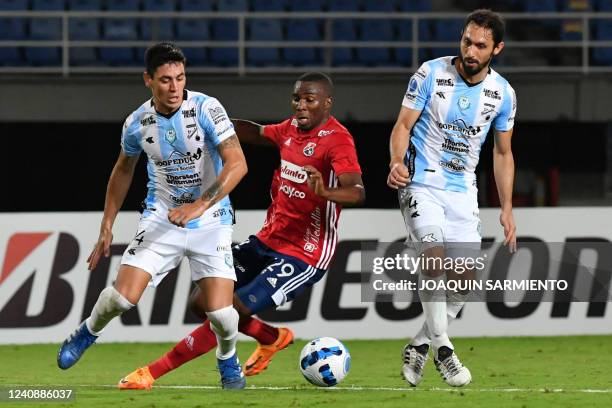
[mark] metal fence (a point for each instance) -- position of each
(530, 48)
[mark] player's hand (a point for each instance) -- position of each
(398, 176)
(315, 181)
(182, 215)
(506, 219)
(101, 247)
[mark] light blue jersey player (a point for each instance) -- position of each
(450, 105)
(194, 161)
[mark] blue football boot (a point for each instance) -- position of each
(231, 373)
(74, 346)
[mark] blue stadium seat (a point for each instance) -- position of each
(192, 29)
(48, 5)
(83, 29)
(157, 28)
(268, 5)
(422, 6)
(379, 5)
(306, 5)
(375, 30)
(344, 5)
(84, 5)
(196, 5)
(303, 30)
(343, 30)
(534, 6)
(264, 30)
(447, 31)
(159, 5)
(13, 5)
(224, 30)
(11, 28)
(49, 29)
(603, 32)
(232, 5)
(122, 5)
(114, 29)
(572, 30)
(604, 5)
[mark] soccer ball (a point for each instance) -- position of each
(325, 361)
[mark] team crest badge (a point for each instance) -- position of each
(309, 149)
(170, 136)
(463, 102)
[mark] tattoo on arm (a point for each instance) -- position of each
(229, 143)
(212, 192)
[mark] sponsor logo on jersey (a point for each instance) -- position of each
(421, 73)
(224, 248)
(217, 114)
(441, 95)
(149, 120)
(287, 142)
(294, 122)
(189, 113)
(463, 102)
(170, 136)
(492, 94)
(429, 238)
(323, 133)
(454, 164)
(413, 85)
(444, 82)
(292, 172)
(292, 191)
(183, 179)
(184, 198)
(310, 247)
(460, 126)
(309, 149)
(451, 146)
(272, 282)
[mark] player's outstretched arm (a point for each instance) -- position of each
(503, 170)
(398, 145)
(116, 190)
(250, 132)
(234, 169)
(351, 192)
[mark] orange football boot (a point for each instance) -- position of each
(261, 357)
(141, 379)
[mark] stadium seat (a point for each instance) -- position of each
(306, 5)
(196, 5)
(192, 29)
(232, 5)
(576, 5)
(118, 29)
(122, 5)
(343, 30)
(268, 5)
(47, 29)
(379, 5)
(604, 5)
(157, 28)
(11, 28)
(159, 5)
(84, 5)
(224, 30)
(13, 5)
(572, 30)
(264, 30)
(83, 29)
(48, 5)
(344, 5)
(404, 29)
(422, 6)
(535, 6)
(603, 32)
(302, 30)
(375, 30)
(447, 31)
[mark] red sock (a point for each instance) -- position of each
(260, 331)
(198, 342)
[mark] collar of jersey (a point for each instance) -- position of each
(461, 76)
(314, 131)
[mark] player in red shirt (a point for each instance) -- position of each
(319, 173)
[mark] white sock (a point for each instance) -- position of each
(454, 304)
(435, 312)
(224, 322)
(109, 305)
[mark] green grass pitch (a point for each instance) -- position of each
(521, 372)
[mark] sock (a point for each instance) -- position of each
(454, 303)
(224, 323)
(435, 311)
(109, 305)
(260, 331)
(198, 342)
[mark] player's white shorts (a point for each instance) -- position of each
(159, 246)
(433, 215)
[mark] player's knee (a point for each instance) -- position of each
(224, 322)
(111, 302)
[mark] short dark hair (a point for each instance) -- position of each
(488, 19)
(319, 77)
(160, 54)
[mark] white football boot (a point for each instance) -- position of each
(415, 358)
(450, 368)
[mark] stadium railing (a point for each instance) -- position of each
(530, 46)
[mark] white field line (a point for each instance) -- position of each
(335, 389)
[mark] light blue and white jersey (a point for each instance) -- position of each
(183, 160)
(455, 118)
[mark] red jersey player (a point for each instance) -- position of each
(319, 173)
